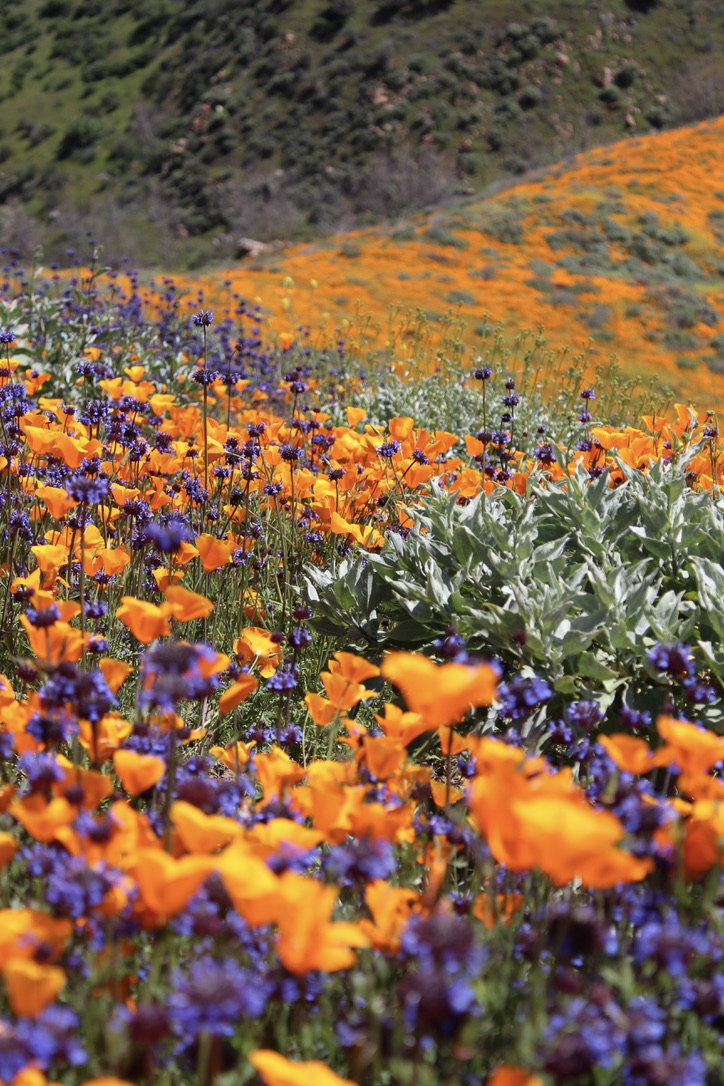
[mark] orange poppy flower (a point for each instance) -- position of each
(244, 686)
(355, 669)
(187, 605)
(391, 908)
(307, 939)
(692, 748)
(166, 884)
(382, 756)
(30, 1076)
(31, 986)
(115, 672)
(398, 724)
(275, 772)
(355, 415)
(41, 818)
(233, 756)
(54, 644)
(276, 1070)
(23, 932)
(110, 560)
(8, 847)
(512, 1076)
(251, 885)
(106, 1080)
(504, 908)
(7, 697)
(106, 737)
(145, 620)
(255, 646)
(199, 832)
(633, 755)
(164, 579)
(441, 694)
(138, 772)
(95, 786)
(55, 500)
(214, 553)
(364, 534)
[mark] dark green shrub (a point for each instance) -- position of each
(530, 96)
(80, 135)
(611, 96)
(625, 75)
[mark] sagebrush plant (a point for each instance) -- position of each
(244, 831)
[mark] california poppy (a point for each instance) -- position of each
(441, 694)
(276, 1070)
(31, 986)
(138, 772)
(145, 620)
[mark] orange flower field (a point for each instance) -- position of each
(622, 247)
(341, 747)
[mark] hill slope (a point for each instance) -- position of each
(622, 248)
(152, 122)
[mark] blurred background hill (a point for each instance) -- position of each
(169, 130)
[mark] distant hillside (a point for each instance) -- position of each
(619, 253)
(167, 129)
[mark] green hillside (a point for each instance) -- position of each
(168, 128)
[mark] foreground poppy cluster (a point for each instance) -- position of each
(232, 848)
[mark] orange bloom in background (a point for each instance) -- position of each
(41, 818)
(276, 1070)
(308, 939)
(502, 907)
(107, 1080)
(166, 884)
(692, 748)
(398, 724)
(8, 847)
(251, 885)
(54, 644)
(106, 737)
(187, 605)
(233, 756)
(110, 560)
(145, 620)
(199, 832)
(512, 1076)
(254, 646)
(31, 987)
(115, 672)
(214, 553)
(391, 908)
(364, 534)
(276, 772)
(355, 669)
(343, 687)
(441, 693)
(95, 786)
(633, 755)
(56, 501)
(24, 931)
(244, 686)
(138, 772)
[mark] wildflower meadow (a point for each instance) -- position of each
(354, 728)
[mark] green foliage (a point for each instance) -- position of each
(575, 581)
